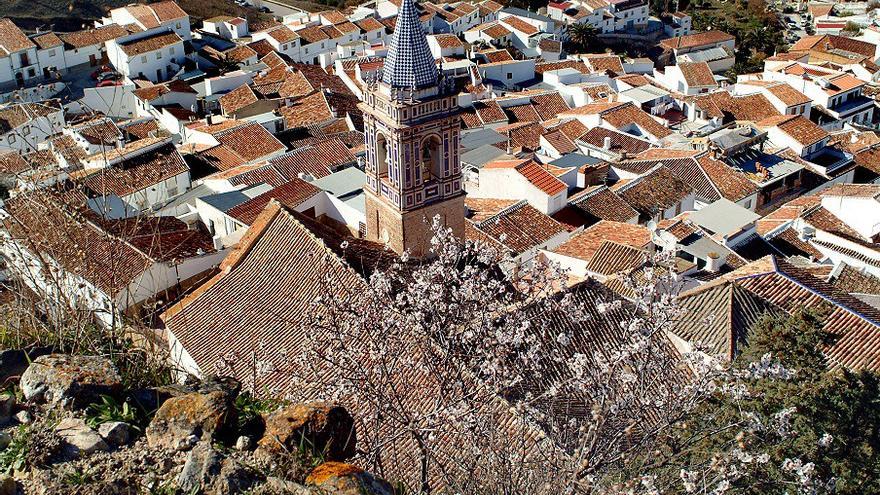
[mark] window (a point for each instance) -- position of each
(31, 72)
(171, 50)
(144, 59)
(177, 25)
(11, 138)
(284, 47)
(52, 52)
(158, 55)
(510, 75)
(26, 130)
(748, 204)
(172, 191)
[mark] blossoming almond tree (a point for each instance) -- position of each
(481, 380)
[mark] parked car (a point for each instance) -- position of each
(109, 76)
(101, 70)
(265, 10)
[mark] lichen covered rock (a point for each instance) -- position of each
(328, 429)
(69, 381)
(196, 416)
(339, 478)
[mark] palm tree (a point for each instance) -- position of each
(582, 36)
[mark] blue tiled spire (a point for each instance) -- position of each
(409, 63)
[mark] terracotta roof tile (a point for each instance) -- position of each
(606, 63)
(627, 114)
(237, 99)
(573, 128)
(534, 173)
(520, 227)
(47, 40)
(167, 11)
(655, 192)
(754, 107)
(522, 113)
(585, 244)
(480, 209)
(290, 194)
(697, 74)
(560, 142)
(549, 105)
(221, 157)
(697, 39)
(601, 203)
(12, 39)
(501, 55)
(520, 25)
(306, 110)
(251, 141)
(619, 141)
(90, 37)
(149, 43)
(138, 173)
(579, 66)
(612, 258)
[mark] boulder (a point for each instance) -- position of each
(78, 439)
(69, 381)
(5, 440)
(207, 471)
(339, 478)
(115, 433)
(7, 485)
(7, 404)
(328, 429)
(13, 362)
(195, 416)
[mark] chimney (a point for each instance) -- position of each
(209, 119)
(606, 143)
(713, 262)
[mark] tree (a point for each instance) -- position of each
(583, 38)
(804, 429)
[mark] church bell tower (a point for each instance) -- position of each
(411, 129)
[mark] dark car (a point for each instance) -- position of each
(109, 76)
(101, 70)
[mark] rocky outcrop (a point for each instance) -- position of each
(327, 429)
(69, 381)
(183, 421)
(193, 442)
(339, 478)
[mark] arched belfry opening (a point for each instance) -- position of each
(432, 159)
(381, 155)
